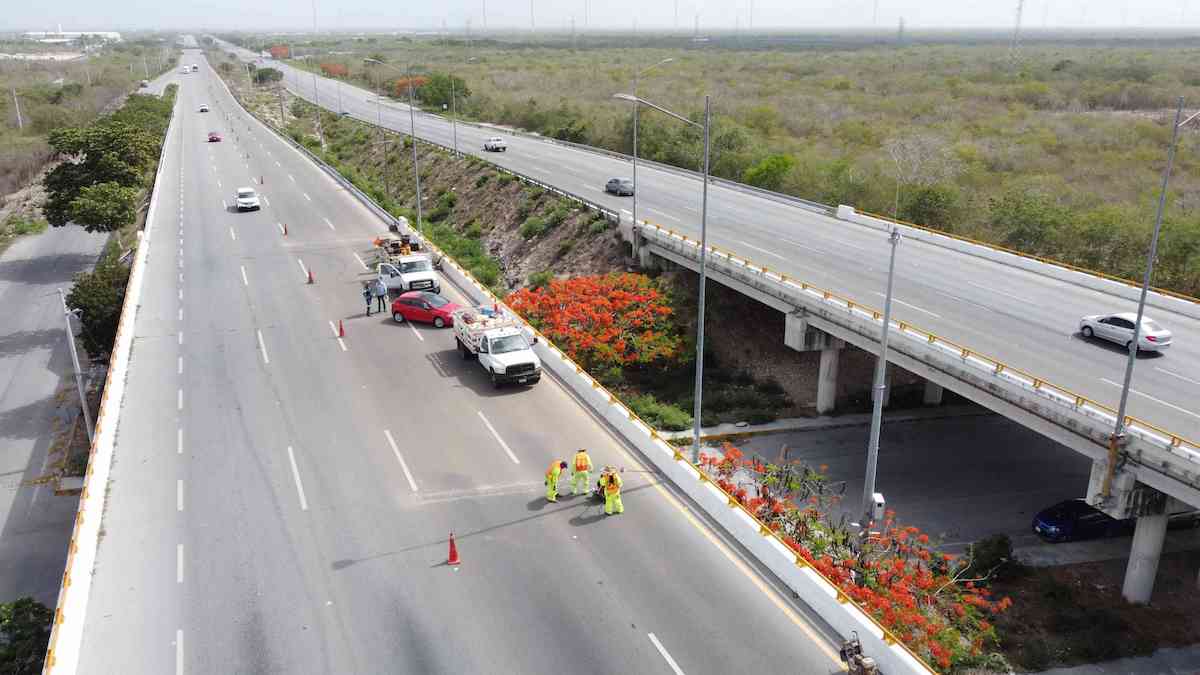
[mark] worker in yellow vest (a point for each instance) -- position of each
(583, 472)
(552, 474)
(611, 482)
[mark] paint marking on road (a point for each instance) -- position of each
(292, 177)
(224, 205)
(415, 331)
(306, 196)
(1185, 379)
(360, 261)
(498, 439)
(330, 225)
(303, 269)
(992, 289)
(179, 365)
(180, 338)
(662, 650)
(666, 215)
(245, 281)
(181, 314)
(181, 294)
(218, 182)
(277, 163)
(296, 475)
(266, 201)
(179, 495)
(761, 250)
(232, 235)
(281, 230)
(179, 441)
(341, 342)
(910, 305)
(1156, 400)
(263, 346)
(179, 399)
(179, 651)
(179, 563)
(403, 465)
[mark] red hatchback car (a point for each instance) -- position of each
(425, 307)
(214, 137)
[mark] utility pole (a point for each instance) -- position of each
(316, 95)
(17, 105)
(879, 388)
(67, 314)
(412, 117)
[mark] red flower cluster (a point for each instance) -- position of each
(603, 321)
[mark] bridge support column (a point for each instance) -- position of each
(933, 393)
(827, 381)
(1148, 538)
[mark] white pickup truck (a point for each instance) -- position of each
(499, 343)
(409, 273)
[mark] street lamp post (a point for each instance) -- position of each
(1118, 435)
(636, 107)
(87, 415)
(879, 387)
(699, 387)
(453, 115)
(412, 117)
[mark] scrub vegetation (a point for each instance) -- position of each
(1058, 153)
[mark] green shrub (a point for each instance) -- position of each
(473, 230)
(482, 179)
(18, 225)
(598, 227)
(991, 555)
(565, 247)
(533, 227)
(505, 178)
(661, 415)
(540, 279)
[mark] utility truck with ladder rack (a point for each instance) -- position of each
(500, 343)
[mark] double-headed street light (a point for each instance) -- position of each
(636, 107)
(699, 391)
(412, 129)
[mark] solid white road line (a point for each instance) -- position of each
(1156, 400)
(991, 289)
(330, 225)
(181, 314)
(296, 475)
(909, 305)
(179, 651)
(498, 439)
(360, 261)
(245, 281)
(407, 474)
(232, 235)
(179, 495)
(180, 338)
(179, 563)
(179, 365)
(306, 196)
(415, 331)
(341, 342)
(662, 650)
(761, 250)
(179, 441)
(179, 400)
(1185, 379)
(303, 269)
(663, 214)
(263, 347)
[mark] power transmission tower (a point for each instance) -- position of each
(900, 32)
(1016, 38)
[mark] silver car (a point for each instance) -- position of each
(247, 199)
(619, 186)
(1118, 328)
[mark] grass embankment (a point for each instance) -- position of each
(1057, 154)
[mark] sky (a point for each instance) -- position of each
(376, 15)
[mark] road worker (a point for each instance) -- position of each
(583, 472)
(611, 483)
(552, 474)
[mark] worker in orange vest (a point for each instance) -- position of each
(611, 482)
(582, 475)
(552, 474)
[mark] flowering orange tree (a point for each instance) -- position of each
(335, 69)
(603, 321)
(401, 85)
(280, 52)
(926, 598)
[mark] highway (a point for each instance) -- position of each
(1027, 320)
(280, 498)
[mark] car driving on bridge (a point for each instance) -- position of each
(619, 186)
(1118, 328)
(1076, 520)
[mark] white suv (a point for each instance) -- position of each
(247, 199)
(495, 144)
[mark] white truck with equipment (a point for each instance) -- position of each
(499, 343)
(412, 272)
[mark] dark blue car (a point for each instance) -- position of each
(1076, 520)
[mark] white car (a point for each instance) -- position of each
(247, 199)
(495, 144)
(204, 108)
(1118, 328)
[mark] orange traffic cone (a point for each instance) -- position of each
(285, 229)
(453, 559)
(341, 329)
(310, 276)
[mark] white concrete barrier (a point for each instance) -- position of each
(1121, 289)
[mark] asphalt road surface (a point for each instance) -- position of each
(280, 499)
(1027, 320)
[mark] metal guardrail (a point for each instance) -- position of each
(1189, 449)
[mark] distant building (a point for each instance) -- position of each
(61, 36)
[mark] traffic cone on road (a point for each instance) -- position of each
(285, 229)
(341, 329)
(310, 276)
(453, 559)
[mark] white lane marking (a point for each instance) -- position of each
(498, 439)
(181, 294)
(415, 331)
(245, 281)
(992, 289)
(330, 225)
(341, 342)
(179, 651)
(181, 314)
(909, 305)
(179, 441)
(761, 250)
(663, 214)
(179, 365)
(179, 495)
(360, 261)
(292, 177)
(662, 650)
(266, 201)
(218, 182)
(232, 235)
(263, 346)
(403, 465)
(181, 338)
(281, 230)
(303, 269)
(224, 205)
(179, 563)
(296, 475)
(1185, 379)
(1158, 401)
(306, 196)
(277, 163)
(179, 399)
